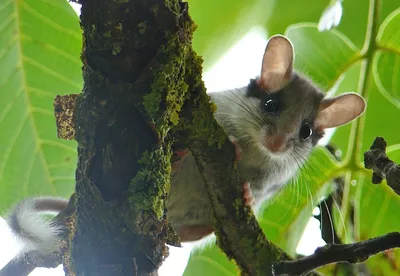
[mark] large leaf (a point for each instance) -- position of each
(389, 32)
(210, 261)
(387, 76)
(40, 43)
(222, 23)
(283, 219)
(387, 62)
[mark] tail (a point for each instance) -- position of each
(31, 229)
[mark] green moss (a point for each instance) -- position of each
(107, 34)
(142, 27)
(151, 102)
(200, 123)
(117, 48)
(151, 183)
(154, 9)
(168, 87)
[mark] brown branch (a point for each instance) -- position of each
(333, 253)
(377, 160)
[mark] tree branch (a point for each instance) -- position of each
(377, 160)
(332, 253)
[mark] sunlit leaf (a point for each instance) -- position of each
(387, 76)
(210, 261)
(377, 215)
(288, 12)
(222, 23)
(389, 32)
(40, 43)
(387, 62)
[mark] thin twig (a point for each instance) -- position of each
(377, 160)
(333, 253)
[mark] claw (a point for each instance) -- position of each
(238, 149)
(248, 196)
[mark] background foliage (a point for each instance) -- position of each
(40, 44)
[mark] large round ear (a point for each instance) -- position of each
(277, 64)
(340, 110)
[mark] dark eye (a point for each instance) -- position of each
(271, 106)
(305, 131)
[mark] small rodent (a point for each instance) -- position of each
(274, 123)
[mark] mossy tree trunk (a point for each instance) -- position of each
(143, 89)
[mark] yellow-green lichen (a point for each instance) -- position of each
(151, 183)
(169, 84)
(107, 34)
(142, 27)
(117, 48)
(200, 123)
(118, 27)
(118, 2)
(154, 9)
(151, 102)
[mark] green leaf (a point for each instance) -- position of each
(322, 56)
(210, 261)
(393, 153)
(288, 12)
(384, 264)
(283, 219)
(40, 42)
(222, 23)
(386, 70)
(354, 20)
(386, 66)
(376, 210)
(389, 32)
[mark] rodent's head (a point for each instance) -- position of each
(285, 114)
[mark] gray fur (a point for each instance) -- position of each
(31, 229)
(239, 112)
